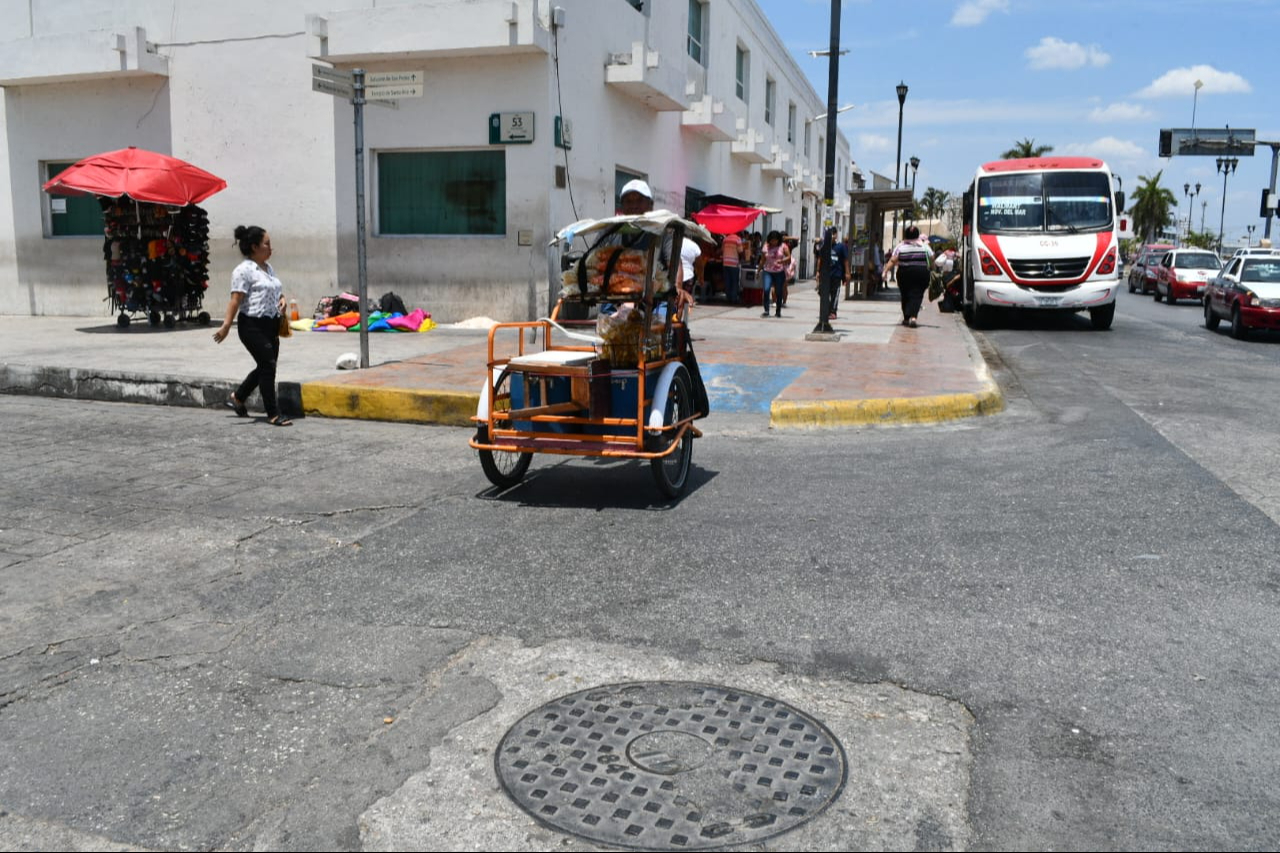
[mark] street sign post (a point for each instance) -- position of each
(380, 89)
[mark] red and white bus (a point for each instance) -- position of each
(1041, 234)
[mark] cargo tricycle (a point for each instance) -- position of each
(611, 373)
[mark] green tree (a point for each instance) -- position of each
(1201, 240)
(934, 203)
(1151, 208)
(1026, 148)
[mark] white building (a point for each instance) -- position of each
(700, 97)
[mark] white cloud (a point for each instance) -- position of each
(1121, 112)
(1053, 53)
(1108, 148)
(1180, 83)
(873, 142)
(973, 12)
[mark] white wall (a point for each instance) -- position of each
(237, 101)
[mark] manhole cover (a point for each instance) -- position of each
(670, 765)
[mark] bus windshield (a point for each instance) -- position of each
(1073, 202)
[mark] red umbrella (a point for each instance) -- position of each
(725, 218)
(142, 175)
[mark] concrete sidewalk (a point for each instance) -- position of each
(879, 371)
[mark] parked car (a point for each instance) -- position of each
(1184, 273)
(1142, 273)
(1255, 250)
(1247, 293)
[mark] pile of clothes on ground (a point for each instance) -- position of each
(341, 313)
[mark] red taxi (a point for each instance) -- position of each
(1247, 293)
(1184, 274)
(1142, 274)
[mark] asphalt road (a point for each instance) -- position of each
(218, 634)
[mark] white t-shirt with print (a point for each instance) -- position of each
(261, 289)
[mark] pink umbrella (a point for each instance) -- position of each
(140, 174)
(726, 218)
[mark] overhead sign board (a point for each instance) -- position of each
(395, 78)
(1207, 142)
(511, 128)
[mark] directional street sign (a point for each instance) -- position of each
(395, 78)
(392, 92)
(331, 87)
(324, 72)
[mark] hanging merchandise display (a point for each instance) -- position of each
(157, 261)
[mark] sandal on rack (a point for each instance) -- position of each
(279, 420)
(241, 410)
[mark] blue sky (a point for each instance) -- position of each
(1087, 77)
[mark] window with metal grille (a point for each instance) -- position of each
(442, 192)
(770, 99)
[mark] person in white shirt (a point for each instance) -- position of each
(257, 297)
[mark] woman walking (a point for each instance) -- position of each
(258, 297)
(912, 259)
(777, 257)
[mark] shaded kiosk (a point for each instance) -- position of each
(876, 204)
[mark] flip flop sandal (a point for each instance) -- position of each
(279, 420)
(236, 406)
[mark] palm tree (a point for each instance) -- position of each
(934, 202)
(1026, 148)
(1151, 207)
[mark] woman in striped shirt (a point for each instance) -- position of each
(911, 258)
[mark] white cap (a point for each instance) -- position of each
(636, 186)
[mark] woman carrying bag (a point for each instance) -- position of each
(257, 296)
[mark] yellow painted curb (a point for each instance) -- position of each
(410, 405)
(801, 414)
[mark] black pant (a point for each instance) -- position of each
(913, 283)
(261, 337)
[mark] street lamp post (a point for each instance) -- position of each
(1186, 192)
(1250, 229)
(915, 164)
(901, 89)
(833, 83)
(1226, 165)
(1204, 205)
(1191, 210)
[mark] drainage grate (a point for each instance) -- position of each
(670, 765)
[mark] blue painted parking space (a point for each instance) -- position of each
(745, 387)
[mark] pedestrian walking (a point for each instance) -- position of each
(777, 257)
(833, 271)
(257, 305)
(911, 260)
(731, 259)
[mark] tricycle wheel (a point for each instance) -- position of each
(122, 321)
(153, 318)
(203, 318)
(169, 321)
(504, 468)
(671, 472)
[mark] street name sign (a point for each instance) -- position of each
(395, 78)
(332, 87)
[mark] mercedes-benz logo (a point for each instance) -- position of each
(1050, 270)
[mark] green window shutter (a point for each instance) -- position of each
(84, 215)
(442, 192)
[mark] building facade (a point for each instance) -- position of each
(528, 115)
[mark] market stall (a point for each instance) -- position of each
(156, 238)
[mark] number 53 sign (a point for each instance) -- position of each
(510, 128)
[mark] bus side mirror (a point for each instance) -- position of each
(1120, 200)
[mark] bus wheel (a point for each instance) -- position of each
(1101, 317)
